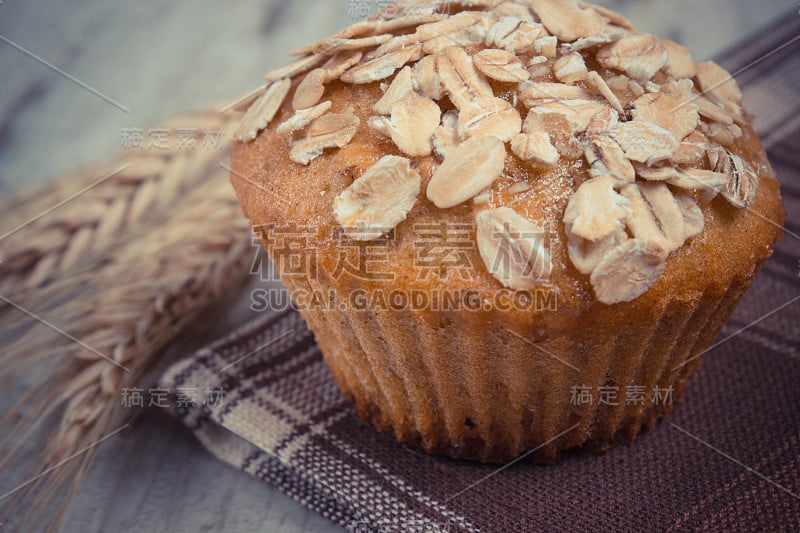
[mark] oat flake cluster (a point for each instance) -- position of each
(650, 131)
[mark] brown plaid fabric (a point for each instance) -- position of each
(727, 459)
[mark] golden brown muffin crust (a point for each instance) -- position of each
(280, 192)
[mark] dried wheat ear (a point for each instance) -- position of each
(653, 126)
(154, 241)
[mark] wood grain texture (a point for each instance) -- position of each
(158, 59)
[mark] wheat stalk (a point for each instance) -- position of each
(124, 268)
(142, 186)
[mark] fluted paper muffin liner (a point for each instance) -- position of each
(470, 386)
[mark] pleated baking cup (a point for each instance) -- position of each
(474, 385)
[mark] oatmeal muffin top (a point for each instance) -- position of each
(599, 160)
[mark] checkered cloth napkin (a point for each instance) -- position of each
(727, 459)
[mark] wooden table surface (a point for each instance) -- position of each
(150, 60)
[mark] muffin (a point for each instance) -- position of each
(513, 227)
